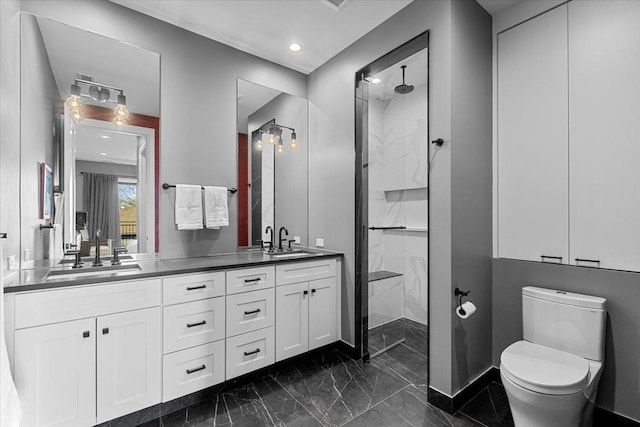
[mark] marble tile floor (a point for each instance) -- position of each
(333, 390)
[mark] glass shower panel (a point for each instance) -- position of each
(397, 202)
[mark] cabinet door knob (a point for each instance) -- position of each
(305, 292)
(86, 334)
(313, 291)
(105, 331)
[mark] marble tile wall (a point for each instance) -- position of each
(398, 196)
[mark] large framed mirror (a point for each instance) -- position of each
(272, 164)
(102, 146)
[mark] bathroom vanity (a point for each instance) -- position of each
(87, 349)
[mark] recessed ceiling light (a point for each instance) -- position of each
(103, 154)
(105, 136)
(295, 47)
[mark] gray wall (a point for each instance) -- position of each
(10, 127)
(471, 191)
(331, 172)
(41, 99)
(619, 386)
(197, 104)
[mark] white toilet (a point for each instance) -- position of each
(551, 377)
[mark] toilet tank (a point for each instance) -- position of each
(565, 321)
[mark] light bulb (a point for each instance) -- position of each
(119, 122)
(294, 142)
(272, 138)
(259, 144)
(280, 148)
(77, 115)
(74, 102)
(121, 111)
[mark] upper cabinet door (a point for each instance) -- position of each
(532, 139)
(604, 129)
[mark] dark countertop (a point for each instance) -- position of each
(150, 266)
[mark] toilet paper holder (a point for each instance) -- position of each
(461, 294)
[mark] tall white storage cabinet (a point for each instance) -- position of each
(604, 133)
(533, 139)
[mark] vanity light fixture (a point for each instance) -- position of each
(100, 93)
(275, 136)
(295, 47)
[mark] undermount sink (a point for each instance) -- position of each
(89, 271)
(290, 254)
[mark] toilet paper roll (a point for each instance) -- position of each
(467, 309)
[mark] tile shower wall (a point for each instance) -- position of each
(398, 196)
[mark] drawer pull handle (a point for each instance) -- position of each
(257, 310)
(249, 353)
(191, 371)
(257, 279)
(558, 258)
(193, 288)
(85, 334)
(191, 325)
(595, 261)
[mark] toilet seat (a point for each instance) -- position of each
(544, 370)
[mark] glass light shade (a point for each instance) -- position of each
(74, 102)
(294, 142)
(77, 114)
(272, 137)
(119, 122)
(280, 147)
(259, 144)
(121, 111)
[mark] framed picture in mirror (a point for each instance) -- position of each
(46, 191)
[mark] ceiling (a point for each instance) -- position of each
(105, 145)
(265, 28)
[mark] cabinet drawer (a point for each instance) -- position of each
(250, 311)
(250, 279)
(296, 272)
(43, 307)
(248, 352)
(191, 370)
(192, 287)
(193, 323)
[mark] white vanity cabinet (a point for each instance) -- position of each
(194, 331)
(87, 354)
(306, 306)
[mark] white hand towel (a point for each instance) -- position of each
(188, 207)
(216, 211)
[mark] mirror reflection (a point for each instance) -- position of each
(272, 160)
(89, 111)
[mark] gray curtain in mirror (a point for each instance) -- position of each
(101, 202)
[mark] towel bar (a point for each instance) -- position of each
(166, 186)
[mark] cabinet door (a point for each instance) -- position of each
(292, 320)
(322, 312)
(129, 361)
(532, 139)
(604, 106)
(55, 373)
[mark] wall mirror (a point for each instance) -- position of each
(102, 146)
(272, 164)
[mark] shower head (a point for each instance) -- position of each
(403, 89)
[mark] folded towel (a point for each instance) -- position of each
(216, 212)
(188, 207)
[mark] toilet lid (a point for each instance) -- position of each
(543, 369)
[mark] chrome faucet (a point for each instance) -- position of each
(280, 239)
(96, 261)
(267, 230)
